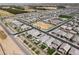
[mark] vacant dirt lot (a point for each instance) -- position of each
(42, 25)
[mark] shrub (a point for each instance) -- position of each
(30, 45)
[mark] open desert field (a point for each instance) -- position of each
(5, 13)
(7, 43)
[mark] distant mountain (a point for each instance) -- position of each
(42, 4)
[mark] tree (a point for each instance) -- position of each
(6, 24)
(37, 52)
(30, 45)
(33, 48)
(29, 36)
(25, 41)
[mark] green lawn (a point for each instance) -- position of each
(50, 51)
(43, 46)
(65, 16)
